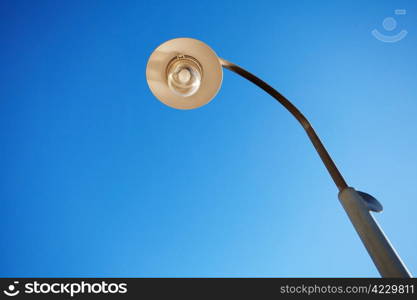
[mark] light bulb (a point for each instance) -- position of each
(184, 75)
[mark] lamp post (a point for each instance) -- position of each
(185, 73)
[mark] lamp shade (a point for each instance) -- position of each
(184, 73)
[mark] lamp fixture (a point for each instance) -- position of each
(185, 73)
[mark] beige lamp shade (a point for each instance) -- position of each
(184, 73)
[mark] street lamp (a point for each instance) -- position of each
(185, 73)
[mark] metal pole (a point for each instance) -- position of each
(318, 145)
(384, 256)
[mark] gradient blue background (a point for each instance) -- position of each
(98, 178)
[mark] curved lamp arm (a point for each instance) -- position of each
(356, 204)
(321, 150)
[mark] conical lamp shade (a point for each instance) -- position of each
(184, 73)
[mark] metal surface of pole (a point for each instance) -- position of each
(384, 256)
(376, 243)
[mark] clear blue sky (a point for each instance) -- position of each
(98, 178)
